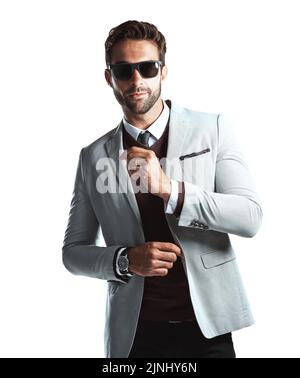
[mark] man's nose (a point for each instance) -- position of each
(136, 77)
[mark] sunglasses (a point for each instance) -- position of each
(124, 71)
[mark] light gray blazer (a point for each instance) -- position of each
(220, 199)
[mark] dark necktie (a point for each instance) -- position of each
(143, 138)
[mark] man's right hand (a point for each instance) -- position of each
(152, 258)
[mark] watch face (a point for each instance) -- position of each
(123, 263)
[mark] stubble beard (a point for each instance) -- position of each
(141, 106)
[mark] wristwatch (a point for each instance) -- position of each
(123, 262)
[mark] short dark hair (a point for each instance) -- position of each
(137, 30)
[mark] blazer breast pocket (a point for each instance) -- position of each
(193, 154)
(195, 166)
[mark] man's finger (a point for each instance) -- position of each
(166, 256)
(168, 247)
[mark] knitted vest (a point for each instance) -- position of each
(167, 297)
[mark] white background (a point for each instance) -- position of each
(240, 58)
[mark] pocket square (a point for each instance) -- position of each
(194, 154)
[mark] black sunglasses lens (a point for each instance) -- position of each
(149, 69)
(122, 71)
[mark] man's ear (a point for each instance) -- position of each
(164, 72)
(107, 75)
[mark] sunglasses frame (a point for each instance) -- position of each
(134, 66)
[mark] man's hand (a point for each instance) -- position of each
(152, 258)
(143, 164)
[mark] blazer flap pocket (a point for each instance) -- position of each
(217, 258)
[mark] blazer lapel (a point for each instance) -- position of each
(178, 130)
(114, 147)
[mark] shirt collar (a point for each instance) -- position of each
(156, 129)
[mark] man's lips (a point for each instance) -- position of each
(137, 94)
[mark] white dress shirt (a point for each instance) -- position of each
(156, 129)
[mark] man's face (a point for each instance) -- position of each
(137, 95)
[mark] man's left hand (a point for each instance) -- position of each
(144, 164)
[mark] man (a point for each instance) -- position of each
(166, 187)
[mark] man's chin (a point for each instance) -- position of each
(138, 107)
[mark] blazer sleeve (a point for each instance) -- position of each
(80, 254)
(234, 206)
